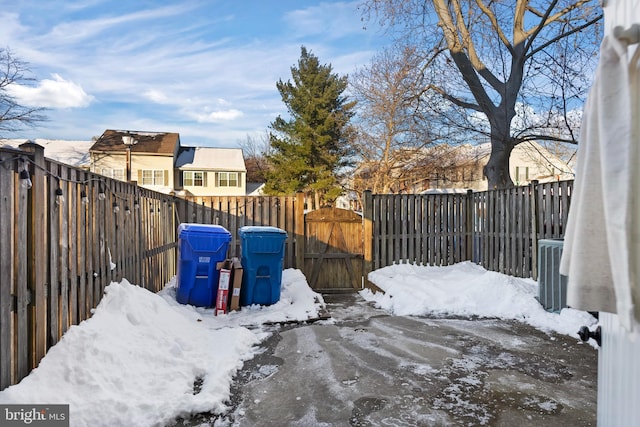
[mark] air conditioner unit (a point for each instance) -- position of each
(552, 286)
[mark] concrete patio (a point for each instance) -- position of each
(366, 368)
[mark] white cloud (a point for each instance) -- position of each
(11, 26)
(51, 93)
(210, 62)
(88, 28)
(156, 96)
(218, 116)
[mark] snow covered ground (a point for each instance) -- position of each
(136, 360)
(467, 289)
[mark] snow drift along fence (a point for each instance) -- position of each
(57, 254)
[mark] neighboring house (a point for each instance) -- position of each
(455, 168)
(72, 153)
(211, 171)
(531, 161)
(156, 160)
(148, 158)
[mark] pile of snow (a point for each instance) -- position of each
(467, 289)
(135, 361)
(143, 359)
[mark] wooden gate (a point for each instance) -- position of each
(333, 259)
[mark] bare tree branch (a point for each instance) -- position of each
(469, 61)
(587, 24)
(494, 22)
(13, 115)
(453, 99)
(506, 86)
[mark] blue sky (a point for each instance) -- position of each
(204, 68)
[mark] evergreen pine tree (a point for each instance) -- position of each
(309, 150)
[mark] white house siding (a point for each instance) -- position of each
(619, 356)
(151, 162)
(618, 374)
(139, 162)
(212, 161)
(100, 161)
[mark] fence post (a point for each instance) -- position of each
(299, 230)
(367, 216)
(37, 256)
(534, 228)
(7, 210)
(141, 245)
(468, 226)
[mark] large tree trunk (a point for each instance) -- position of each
(497, 168)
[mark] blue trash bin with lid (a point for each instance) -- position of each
(200, 248)
(262, 258)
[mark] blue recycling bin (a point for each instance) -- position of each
(200, 248)
(262, 258)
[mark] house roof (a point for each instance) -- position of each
(255, 188)
(146, 142)
(207, 158)
(73, 153)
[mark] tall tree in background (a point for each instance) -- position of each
(392, 127)
(513, 70)
(310, 149)
(13, 115)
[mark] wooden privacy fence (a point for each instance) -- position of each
(58, 253)
(497, 229)
(62, 241)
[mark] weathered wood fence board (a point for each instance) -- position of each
(7, 273)
(502, 228)
(234, 212)
(419, 229)
(497, 229)
(333, 249)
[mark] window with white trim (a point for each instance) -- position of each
(193, 178)
(228, 179)
(152, 177)
(113, 173)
